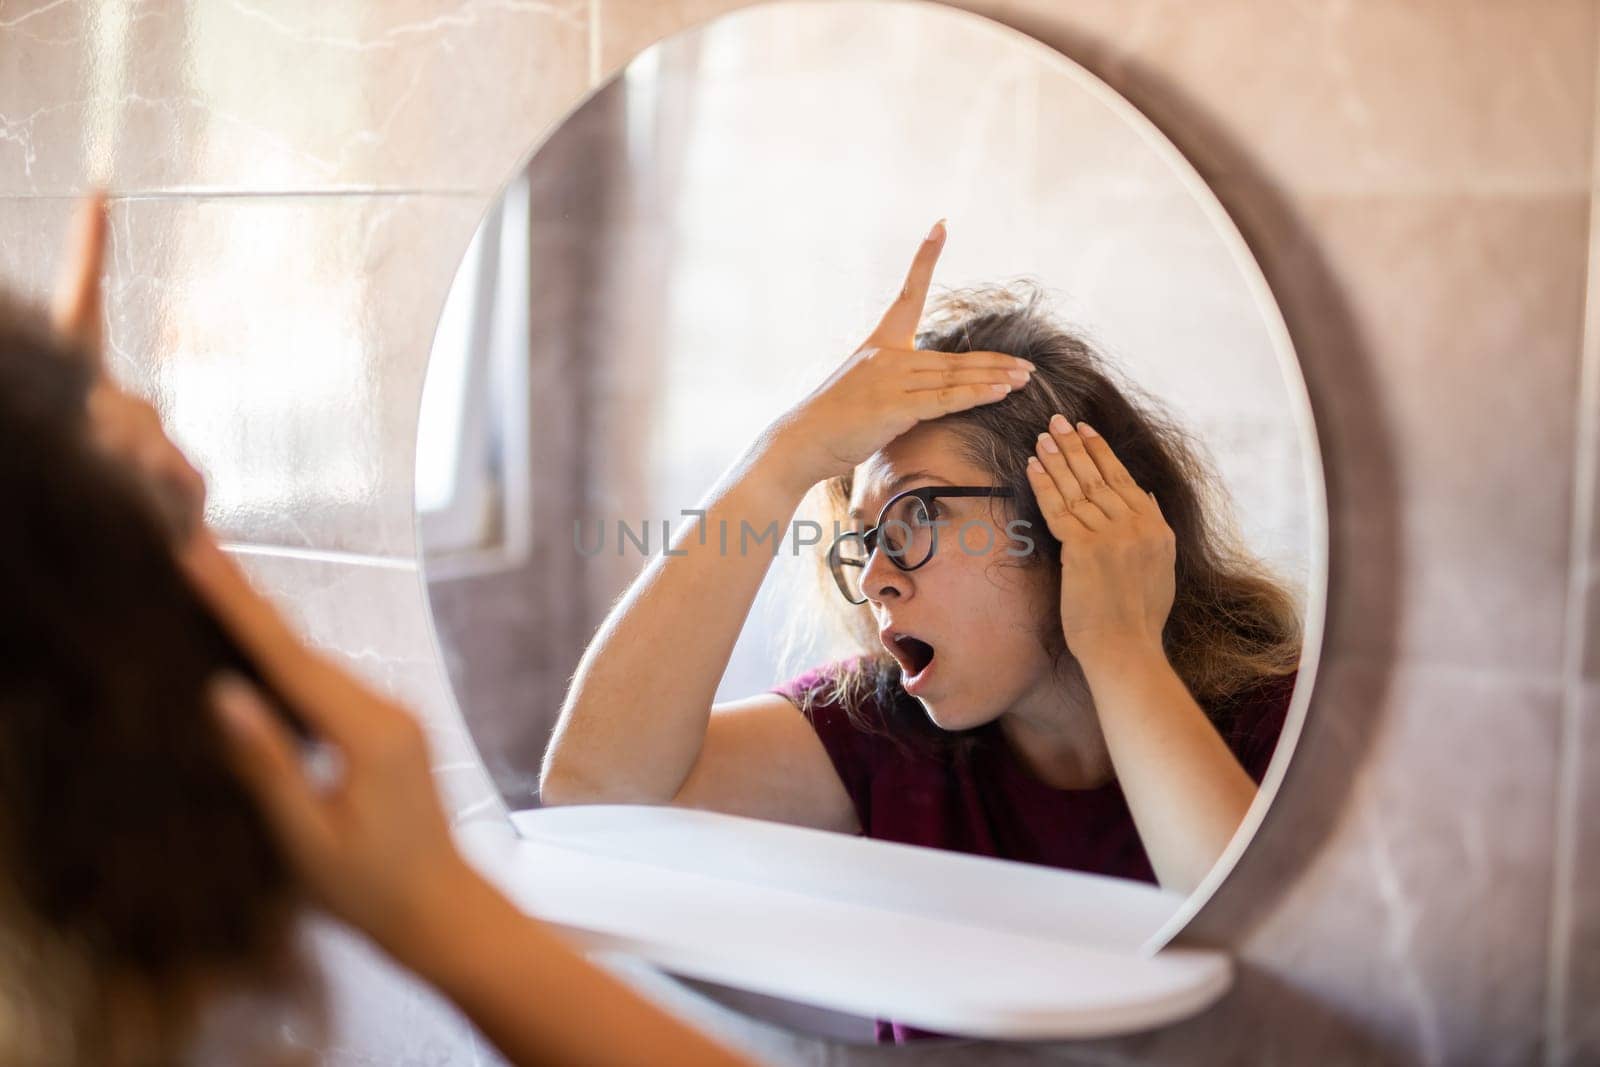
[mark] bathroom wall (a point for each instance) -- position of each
(296, 181)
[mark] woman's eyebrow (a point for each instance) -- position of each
(894, 487)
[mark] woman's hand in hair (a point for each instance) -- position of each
(1118, 554)
(1185, 788)
(373, 845)
(886, 386)
(120, 424)
(366, 846)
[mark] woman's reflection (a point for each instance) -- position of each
(1067, 656)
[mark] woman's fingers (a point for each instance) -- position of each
(332, 703)
(898, 327)
(922, 359)
(929, 404)
(77, 310)
(938, 383)
(130, 430)
(1111, 468)
(1091, 480)
(1052, 505)
(262, 752)
(1075, 502)
(918, 380)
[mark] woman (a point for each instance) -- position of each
(159, 828)
(142, 879)
(1068, 670)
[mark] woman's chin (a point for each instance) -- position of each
(952, 717)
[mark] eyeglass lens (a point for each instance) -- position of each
(906, 535)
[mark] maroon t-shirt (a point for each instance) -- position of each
(989, 804)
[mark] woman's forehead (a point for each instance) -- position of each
(924, 455)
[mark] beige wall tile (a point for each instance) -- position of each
(1440, 337)
(1590, 651)
(282, 96)
(285, 341)
(1348, 96)
(1579, 1040)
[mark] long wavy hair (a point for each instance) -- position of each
(141, 880)
(1234, 624)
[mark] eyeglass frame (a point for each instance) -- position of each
(927, 494)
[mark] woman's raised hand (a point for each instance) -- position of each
(373, 847)
(887, 386)
(1118, 554)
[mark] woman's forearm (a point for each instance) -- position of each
(1185, 789)
(635, 716)
(533, 995)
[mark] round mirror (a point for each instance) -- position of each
(698, 247)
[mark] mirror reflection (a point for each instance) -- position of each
(741, 488)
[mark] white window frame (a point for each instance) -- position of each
(475, 516)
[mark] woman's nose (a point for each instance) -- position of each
(882, 580)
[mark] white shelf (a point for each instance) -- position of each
(938, 940)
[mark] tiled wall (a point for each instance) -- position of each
(295, 182)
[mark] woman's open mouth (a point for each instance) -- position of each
(914, 655)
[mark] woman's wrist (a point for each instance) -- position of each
(434, 934)
(781, 459)
(1113, 659)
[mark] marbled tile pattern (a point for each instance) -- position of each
(298, 402)
(1414, 177)
(265, 96)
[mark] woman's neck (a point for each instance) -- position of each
(1055, 732)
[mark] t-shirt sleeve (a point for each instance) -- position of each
(1257, 723)
(852, 750)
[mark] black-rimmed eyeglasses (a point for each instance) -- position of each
(907, 528)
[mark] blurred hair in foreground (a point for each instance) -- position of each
(144, 884)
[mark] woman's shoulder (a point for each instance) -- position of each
(841, 698)
(841, 720)
(819, 686)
